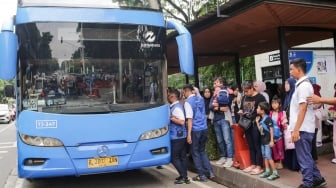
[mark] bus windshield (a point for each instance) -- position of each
(143, 4)
(81, 68)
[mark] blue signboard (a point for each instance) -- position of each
(307, 55)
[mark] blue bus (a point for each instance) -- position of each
(91, 79)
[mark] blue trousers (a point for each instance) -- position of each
(179, 156)
(200, 158)
(224, 138)
(308, 168)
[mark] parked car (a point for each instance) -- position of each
(5, 114)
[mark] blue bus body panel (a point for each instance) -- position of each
(89, 15)
(82, 135)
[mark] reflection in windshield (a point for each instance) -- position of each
(90, 68)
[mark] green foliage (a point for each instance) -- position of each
(247, 68)
(224, 69)
(211, 147)
(178, 80)
(3, 83)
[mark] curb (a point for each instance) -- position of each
(235, 178)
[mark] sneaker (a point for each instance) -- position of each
(265, 175)
(319, 144)
(228, 163)
(221, 161)
(333, 160)
(199, 178)
(273, 176)
(182, 181)
(180, 177)
(319, 183)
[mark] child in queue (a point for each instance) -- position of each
(265, 126)
(279, 117)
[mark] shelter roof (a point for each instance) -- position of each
(250, 27)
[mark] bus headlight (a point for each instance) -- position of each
(41, 141)
(154, 133)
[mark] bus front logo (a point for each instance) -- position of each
(103, 151)
(149, 36)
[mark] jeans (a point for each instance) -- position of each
(179, 156)
(266, 151)
(224, 138)
(200, 158)
(308, 168)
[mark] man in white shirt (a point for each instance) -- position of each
(302, 125)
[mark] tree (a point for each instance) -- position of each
(247, 68)
(185, 10)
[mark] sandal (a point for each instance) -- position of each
(249, 169)
(257, 171)
(236, 164)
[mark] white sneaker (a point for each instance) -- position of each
(221, 161)
(333, 160)
(228, 163)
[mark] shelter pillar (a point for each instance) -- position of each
(237, 70)
(283, 54)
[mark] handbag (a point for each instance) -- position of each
(288, 140)
(245, 122)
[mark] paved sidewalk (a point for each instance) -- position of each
(235, 178)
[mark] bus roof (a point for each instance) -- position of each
(72, 3)
(148, 4)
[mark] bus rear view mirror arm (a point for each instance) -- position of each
(8, 51)
(184, 45)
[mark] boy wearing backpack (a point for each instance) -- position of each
(265, 126)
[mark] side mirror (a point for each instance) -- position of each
(185, 48)
(8, 51)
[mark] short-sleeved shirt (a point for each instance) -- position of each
(266, 135)
(303, 89)
(189, 114)
(177, 112)
(250, 104)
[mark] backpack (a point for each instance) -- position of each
(223, 96)
(276, 129)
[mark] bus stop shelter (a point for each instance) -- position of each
(242, 28)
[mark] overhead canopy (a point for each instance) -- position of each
(249, 27)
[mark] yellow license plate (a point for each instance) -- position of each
(102, 162)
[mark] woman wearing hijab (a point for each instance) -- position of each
(260, 87)
(290, 160)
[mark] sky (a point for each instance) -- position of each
(7, 9)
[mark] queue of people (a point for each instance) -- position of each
(295, 118)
